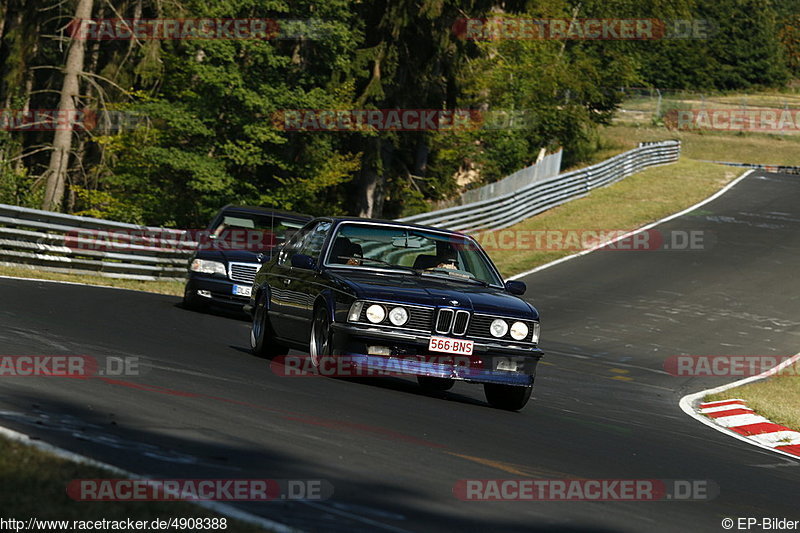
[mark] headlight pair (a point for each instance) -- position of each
(518, 330)
(376, 314)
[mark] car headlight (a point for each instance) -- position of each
(398, 316)
(355, 311)
(535, 338)
(376, 313)
(498, 328)
(519, 330)
(207, 267)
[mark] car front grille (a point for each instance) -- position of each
(243, 272)
(452, 321)
(420, 318)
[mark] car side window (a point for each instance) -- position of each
(312, 245)
(293, 245)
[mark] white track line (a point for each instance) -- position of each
(634, 232)
(735, 421)
(689, 402)
(719, 408)
(732, 401)
(216, 507)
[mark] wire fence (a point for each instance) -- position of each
(508, 209)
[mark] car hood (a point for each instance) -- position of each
(429, 290)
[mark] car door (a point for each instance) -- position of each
(281, 277)
(306, 284)
(293, 290)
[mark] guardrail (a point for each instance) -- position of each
(73, 244)
(781, 169)
(548, 167)
(513, 207)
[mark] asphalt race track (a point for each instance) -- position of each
(603, 406)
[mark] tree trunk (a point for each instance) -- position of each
(368, 179)
(372, 180)
(56, 173)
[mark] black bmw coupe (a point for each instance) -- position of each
(419, 300)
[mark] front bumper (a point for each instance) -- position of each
(219, 290)
(409, 355)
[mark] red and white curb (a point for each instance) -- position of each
(736, 416)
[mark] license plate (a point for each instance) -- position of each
(457, 346)
(242, 290)
(507, 364)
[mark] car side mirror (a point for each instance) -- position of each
(306, 262)
(516, 287)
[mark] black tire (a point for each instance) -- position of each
(321, 343)
(508, 397)
(262, 337)
(191, 300)
(432, 384)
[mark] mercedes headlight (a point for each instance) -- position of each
(207, 267)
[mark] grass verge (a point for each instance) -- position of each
(777, 398)
(646, 197)
(35, 486)
(768, 149)
(174, 288)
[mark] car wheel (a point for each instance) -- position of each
(191, 300)
(262, 338)
(432, 384)
(508, 397)
(320, 343)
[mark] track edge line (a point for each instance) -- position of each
(667, 218)
(688, 403)
(217, 507)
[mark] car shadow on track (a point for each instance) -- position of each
(396, 383)
(216, 310)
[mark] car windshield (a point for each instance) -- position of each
(421, 252)
(269, 229)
